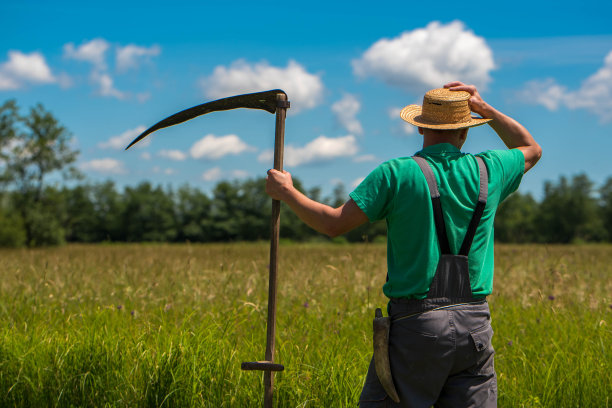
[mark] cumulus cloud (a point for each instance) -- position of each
(104, 166)
(594, 95)
(93, 51)
(305, 90)
(212, 174)
(24, 68)
(126, 57)
(167, 171)
(240, 173)
(121, 141)
(365, 158)
(321, 149)
(428, 57)
(215, 147)
(176, 155)
(130, 56)
(106, 85)
(346, 110)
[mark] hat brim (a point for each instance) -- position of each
(413, 115)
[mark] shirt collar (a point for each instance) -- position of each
(440, 148)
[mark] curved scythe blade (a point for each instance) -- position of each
(259, 100)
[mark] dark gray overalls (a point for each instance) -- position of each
(440, 347)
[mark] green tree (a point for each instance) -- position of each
(569, 212)
(605, 193)
(80, 220)
(148, 214)
(516, 219)
(109, 206)
(193, 212)
(35, 147)
(9, 117)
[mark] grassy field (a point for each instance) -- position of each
(168, 325)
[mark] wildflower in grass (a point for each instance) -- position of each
(119, 307)
(510, 343)
(306, 305)
(551, 297)
(168, 307)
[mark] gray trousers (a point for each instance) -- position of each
(440, 358)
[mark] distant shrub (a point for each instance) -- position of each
(12, 232)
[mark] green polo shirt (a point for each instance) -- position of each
(397, 192)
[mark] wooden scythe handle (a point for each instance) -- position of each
(268, 366)
(278, 165)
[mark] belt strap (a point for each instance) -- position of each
(437, 205)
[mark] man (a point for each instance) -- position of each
(440, 269)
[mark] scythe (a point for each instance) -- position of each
(274, 101)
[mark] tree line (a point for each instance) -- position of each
(36, 212)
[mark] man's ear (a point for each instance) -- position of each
(420, 130)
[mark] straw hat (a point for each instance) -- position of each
(442, 109)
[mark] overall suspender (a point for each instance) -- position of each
(452, 280)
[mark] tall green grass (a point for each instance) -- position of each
(169, 325)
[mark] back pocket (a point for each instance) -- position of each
(483, 350)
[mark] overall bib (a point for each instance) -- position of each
(440, 347)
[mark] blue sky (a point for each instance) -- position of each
(110, 70)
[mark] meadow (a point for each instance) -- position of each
(157, 325)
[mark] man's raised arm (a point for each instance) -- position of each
(512, 133)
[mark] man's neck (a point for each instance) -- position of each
(430, 141)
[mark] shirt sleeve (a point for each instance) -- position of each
(507, 168)
(374, 194)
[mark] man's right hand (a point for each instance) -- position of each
(477, 104)
(513, 134)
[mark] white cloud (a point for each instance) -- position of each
(142, 97)
(346, 110)
(176, 155)
(365, 158)
(131, 55)
(126, 57)
(7, 83)
(106, 85)
(93, 51)
(212, 174)
(240, 173)
(428, 57)
(594, 95)
(145, 156)
(320, 149)
(123, 140)
(168, 171)
(546, 92)
(215, 147)
(105, 166)
(23, 68)
(304, 90)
